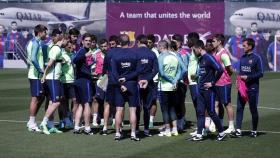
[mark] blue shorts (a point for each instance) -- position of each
(54, 89)
(69, 90)
(131, 95)
(84, 91)
(36, 87)
(109, 95)
(223, 94)
(99, 93)
(148, 95)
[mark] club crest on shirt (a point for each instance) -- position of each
(125, 64)
(144, 61)
(250, 61)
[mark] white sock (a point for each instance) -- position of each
(32, 119)
(87, 128)
(174, 129)
(45, 120)
(199, 135)
(118, 134)
(114, 121)
(133, 134)
(152, 118)
(167, 130)
(94, 116)
(77, 128)
(104, 128)
(231, 124)
(207, 121)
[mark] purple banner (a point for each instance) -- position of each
(165, 19)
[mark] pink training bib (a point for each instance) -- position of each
(225, 78)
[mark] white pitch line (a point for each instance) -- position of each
(259, 107)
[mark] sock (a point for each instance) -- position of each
(207, 121)
(87, 128)
(50, 124)
(146, 131)
(152, 118)
(118, 134)
(104, 128)
(102, 121)
(133, 134)
(45, 120)
(114, 121)
(231, 124)
(174, 129)
(94, 117)
(167, 130)
(32, 120)
(77, 128)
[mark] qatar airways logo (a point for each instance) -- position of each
(144, 61)
(125, 64)
(246, 68)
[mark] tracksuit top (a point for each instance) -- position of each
(82, 68)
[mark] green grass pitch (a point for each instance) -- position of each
(17, 142)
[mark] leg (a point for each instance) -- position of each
(239, 111)
(133, 119)
(253, 103)
(118, 117)
(87, 113)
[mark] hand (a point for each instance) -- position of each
(43, 79)
(122, 80)
(143, 84)
(234, 59)
(244, 77)
(270, 65)
(208, 85)
(123, 88)
(174, 86)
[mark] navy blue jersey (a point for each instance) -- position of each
(125, 65)
(148, 63)
(107, 67)
(209, 70)
(82, 69)
(251, 66)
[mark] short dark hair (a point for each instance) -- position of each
(86, 35)
(173, 45)
(103, 40)
(93, 38)
(56, 32)
(250, 42)
(142, 39)
(220, 37)
(210, 40)
(13, 22)
(39, 28)
(74, 31)
(151, 37)
(178, 37)
(199, 44)
(193, 35)
(163, 43)
(124, 39)
(114, 38)
(254, 23)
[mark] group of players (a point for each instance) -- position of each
(113, 73)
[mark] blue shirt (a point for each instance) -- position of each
(209, 70)
(107, 67)
(82, 69)
(148, 63)
(235, 44)
(125, 65)
(270, 51)
(251, 66)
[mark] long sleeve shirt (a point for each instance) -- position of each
(209, 70)
(251, 66)
(82, 69)
(125, 65)
(148, 63)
